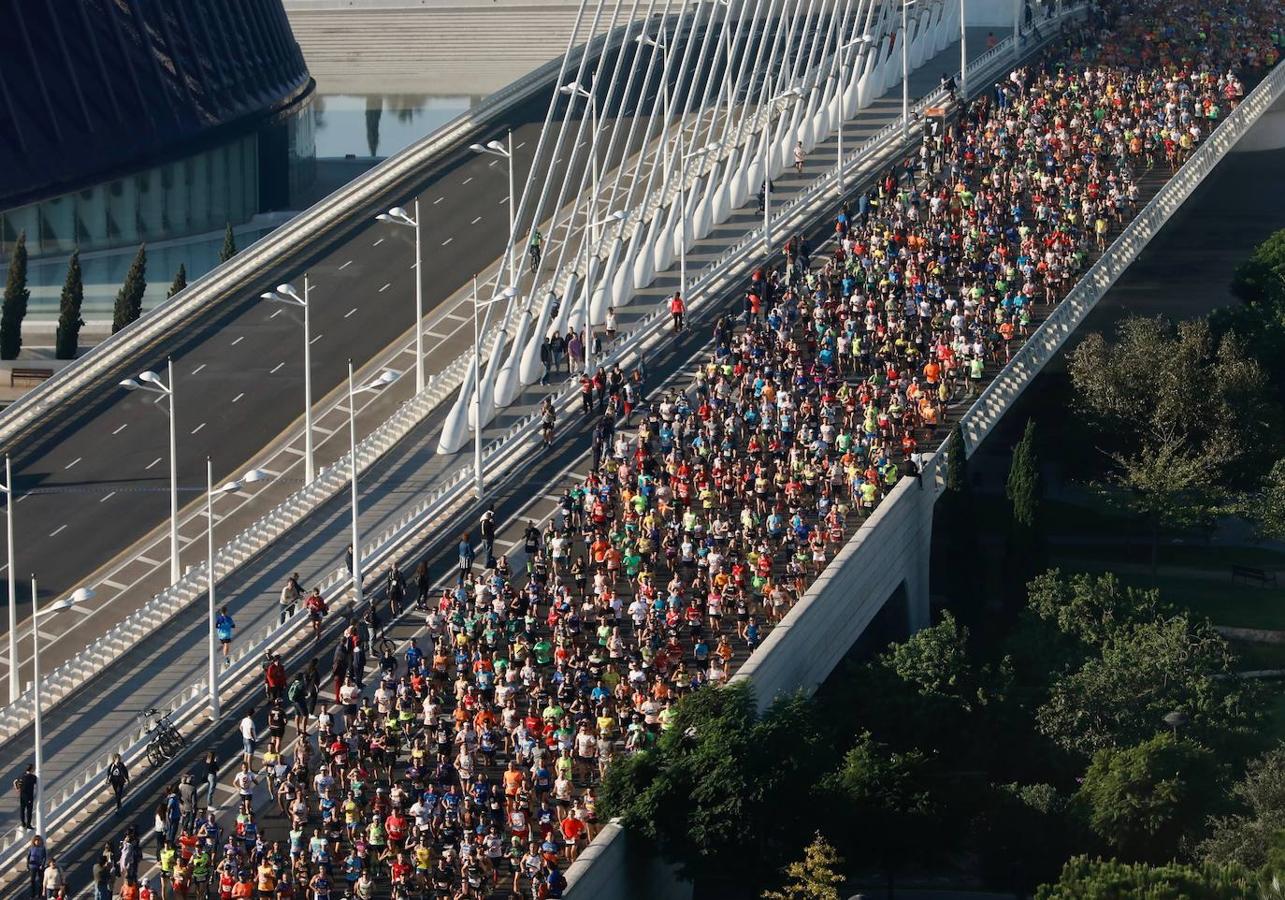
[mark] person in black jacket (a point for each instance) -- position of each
(26, 787)
(118, 778)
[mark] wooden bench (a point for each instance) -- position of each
(29, 375)
(1251, 573)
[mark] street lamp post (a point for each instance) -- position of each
(80, 595)
(963, 52)
(841, 71)
(398, 216)
(10, 499)
(249, 477)
(385, 378)
(150, 382)
(286, 293)
(495, 148)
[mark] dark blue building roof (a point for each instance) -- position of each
(93, 89)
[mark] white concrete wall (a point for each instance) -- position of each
(889, 551)
(607, 870)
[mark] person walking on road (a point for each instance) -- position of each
(54, 880)
(25, 784)
(677, 310)
(118, 778)
(224, 626)
(396, 590)
(36, 859)
(799, 155)
(290, 595)
(487, 527)
(533, 250)
(248, 736)
(465, 550)
(274, 678)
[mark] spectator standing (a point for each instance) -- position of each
(26, 784)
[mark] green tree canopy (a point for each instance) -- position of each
(815, 877)
(1254, 835)
(129, 299)
(1144, 671)
(1095, 879)
(1183, 415)
(14, 308)
(180, 281)
(1024, 549)
(1142, 801)
(67, 340)
(229, 244)
(710, 794)
(1090, 608)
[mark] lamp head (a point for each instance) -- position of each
(130, 384)
(289, 291)
(385, 378)
(476, 148)
(398, 212)
(497, 147)
(150, 377)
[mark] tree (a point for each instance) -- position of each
(229, 245)
(1086, 879)
(129, 299)
(1252, 837)
(16, 295)
(879, 803)
(180, 278)
(814, 877)
(711, 794)
(1259, 320)
(1143, 800)
(1121, 694)
(1091, 608)
(67, 340)
(1022, 837)
(1024, 545)
(1184, 417)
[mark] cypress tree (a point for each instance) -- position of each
(180, 281)
(69, 321)
(1024, 547)
(229, 245)
(129, 299)
(16, 295)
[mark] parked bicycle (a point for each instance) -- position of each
(165, 741)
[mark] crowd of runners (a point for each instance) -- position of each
(464, 764)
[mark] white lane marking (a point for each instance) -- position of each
(122, 428)
(146, 560)
(57, 530)
(467, 180)
(238, 397)
(475, 221)
(198, 369)
(198, 428)
(153, 462)
(350, 312)
(377, 243)
(115, 585)
(579, 145)
(504, 199)
(491, 163)
(107, 497)
(520, 146)
(276, 313)
(238, 340)
(73, 462)
(314, 340)
(385, 287)
(23, 497)
(277, 366)
(447, 241)
(345, 265)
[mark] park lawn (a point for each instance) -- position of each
(1060, 518)
(1254, 657)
